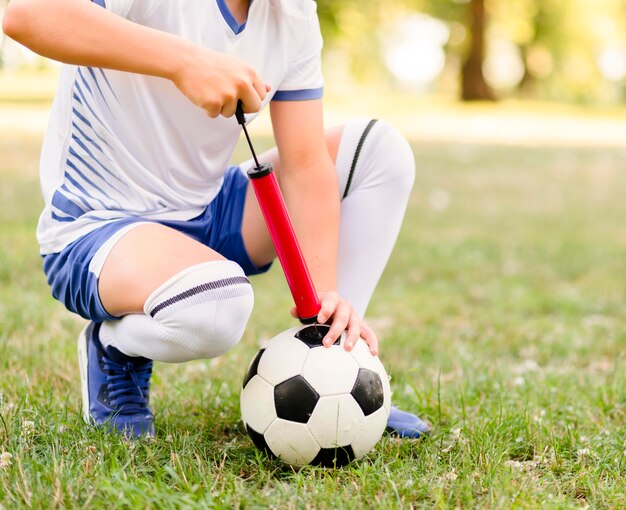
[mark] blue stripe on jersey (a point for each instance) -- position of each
(85, 103)
(100, 164)
(82, 176)
(82, 100)
(81, 117)
(229, 18)
(83, 136)
(72, 195)
(99, 2)
(108, 84)
(93, 75)
(64, 219)
(82, 78)
(94, 171)
(66, 206)
(298, 95)
(72, 180)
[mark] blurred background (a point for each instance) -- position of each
(556, 50)
(436, 67)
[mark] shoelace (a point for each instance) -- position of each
(128, 385)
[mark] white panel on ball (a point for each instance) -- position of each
(373, 428)
(257, 404)
(361, 352)
(336, 421)
(330, 370)
(283, 358)
(292, 442)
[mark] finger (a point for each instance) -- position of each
(229, 108)
(294, 312)
(250, 99)
(341, 317)
(354, 332)
(327, 308)
(370, 338)
(260, 87)
(213, 110)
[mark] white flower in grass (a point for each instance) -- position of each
(583, 452)
(538, 418)
(451, 476)
(5, 405)
(28, 428)
(514, 464)
(519, 381)
(452, 440)
(5, 460)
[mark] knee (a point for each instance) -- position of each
(394, 148)
(204, 310)
(226, 331)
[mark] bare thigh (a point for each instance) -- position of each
(253, 229)
(145, 258)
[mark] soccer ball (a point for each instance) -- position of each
(309, 404)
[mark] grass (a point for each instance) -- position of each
(501, 314)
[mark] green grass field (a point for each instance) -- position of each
(502, 322)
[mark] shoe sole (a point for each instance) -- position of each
(84, 381)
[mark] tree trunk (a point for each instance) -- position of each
(473, 84)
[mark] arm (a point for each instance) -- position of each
(82, 33)
(308, 181)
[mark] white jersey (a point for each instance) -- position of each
(121, 144)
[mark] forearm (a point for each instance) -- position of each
(309, 183)
(312, 197)
(82, 33)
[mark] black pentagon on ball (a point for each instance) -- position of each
(313, 335)
(334, 457)
(368, 391)
(295, 399)
(259, 441)
(254, 367)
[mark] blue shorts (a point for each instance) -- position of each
(218, 227)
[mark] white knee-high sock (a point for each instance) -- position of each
(199, 313)
(376, 170)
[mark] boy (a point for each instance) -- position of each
(147, 232)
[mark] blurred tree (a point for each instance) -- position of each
(473, 16)
(351, 26)
(473, 84)
(559, 41)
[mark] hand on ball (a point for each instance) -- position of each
(341, 316)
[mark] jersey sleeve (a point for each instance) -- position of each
(304, 79)
(119, 7)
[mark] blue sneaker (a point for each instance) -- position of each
(115, 387)
(403, 424)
